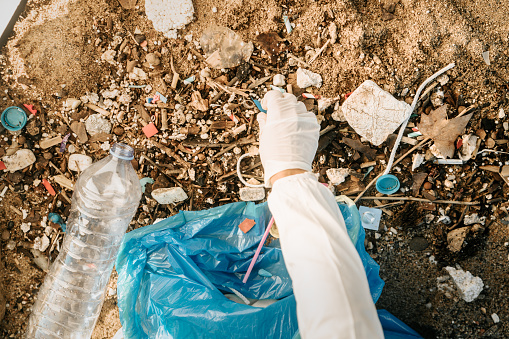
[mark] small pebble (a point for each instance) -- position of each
(119, 130)
(496, 318)
(6, 235)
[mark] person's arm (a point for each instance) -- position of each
(329, 282)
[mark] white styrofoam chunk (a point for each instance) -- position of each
(337, 175)
(96, 124)
(374, 113)
(306, 78)
(169, 195)
(169, 15)
(468, 286)
(19, 160)
(252, 193)
(279, 80)
(79, 162)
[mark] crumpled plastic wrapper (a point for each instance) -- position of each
(224, 48)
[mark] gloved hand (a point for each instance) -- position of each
(288, 134)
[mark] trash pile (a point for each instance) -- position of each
(189, 128)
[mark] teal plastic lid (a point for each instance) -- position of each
(13, 118)
(387, 184)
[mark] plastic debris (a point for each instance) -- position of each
(469, 287)
(169, 195)
(144, 182)
(277, 89)
(48, 186)
(474, 218)
(279, 80)
(71, 103)
(47, 143)
(224, 48)
(468, 146)
(79, 162)
(252, 193)
(306, 78)
(370, 217)
(288, 24)
(169, 15)
(150, 130)
(19, 160)
(57, 219)
(189, 80)
(374, 113)
(40, 260)
(486, 57)
(246, 225)
(96, 124)
(495, 318)
(417, 160)
(337, 175)
(64, 142)
(41, 243)
(30, 108)
(13, 118)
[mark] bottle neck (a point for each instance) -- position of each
(122, 151)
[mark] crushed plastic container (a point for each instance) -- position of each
(105, 199)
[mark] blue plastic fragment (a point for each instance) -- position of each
(162, 97)
(57, 219)
(144, 182)
(259, 105)
(149, 100)
(189, 80)
(264, 273)
(275, 88)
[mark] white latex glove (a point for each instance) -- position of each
(288, 134)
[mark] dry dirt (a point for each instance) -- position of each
(397, 44)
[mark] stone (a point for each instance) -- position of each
(456, 238)
(374, 113)
(79, 162)
(337, 175)
(333, 32)
(279, 80)
(119, 130)
(153, 59)
(469, 287)
(109, 56)
(169, 195)
(41, 243)
(71, 103)
(306, 78)
(495, 318)
(96, 124)
(252, 193)
(6, 235)
(468, 147)
(80, 130)
(474, 218)
(19, 160)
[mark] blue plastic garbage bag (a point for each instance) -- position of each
(172, 276)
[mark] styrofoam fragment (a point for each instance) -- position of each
(279, 80)
(252, 193)
(337, 175)
(374, 113)
(169, 15)
(306, 78)
(96, 124)
(19, 160)
(169, 195)
(469, 287)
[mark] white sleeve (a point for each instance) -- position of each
(329, 281)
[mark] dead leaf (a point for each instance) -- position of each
(360, 147)
(198, 103)
(271, 43)
(443, 131)
(418, 180)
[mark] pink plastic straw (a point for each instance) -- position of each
(271, 222)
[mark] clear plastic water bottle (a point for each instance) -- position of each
(105, 199)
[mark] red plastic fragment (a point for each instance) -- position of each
(348, 94)
(459, 143)
(31, 109)
(150, 130)
(48, 187)
(246, 225)
(2, 165)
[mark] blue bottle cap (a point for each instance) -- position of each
(387, 184)
(13, 118)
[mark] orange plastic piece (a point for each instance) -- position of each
(246, 225)
(31, 109)
(48, 187)
(2, 165)
(150, 130)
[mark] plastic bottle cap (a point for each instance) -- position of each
(13, 118)
(387, 184)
